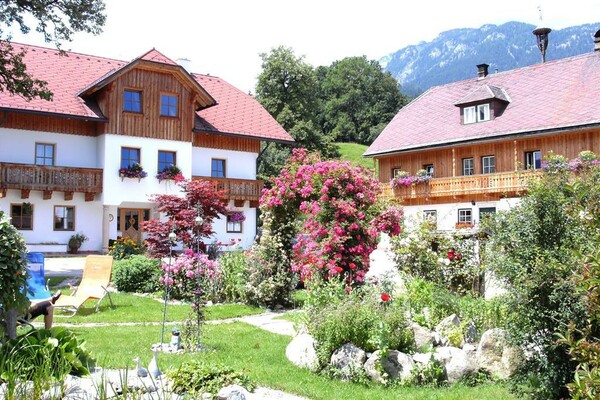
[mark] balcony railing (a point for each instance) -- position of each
(236, 189)
(502, 182)
(38, 177)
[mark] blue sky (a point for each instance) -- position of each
(225, 37)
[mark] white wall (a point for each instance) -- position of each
(88, 218)
(18, 146)
(118, 190)
(447, 214)
(239, 164)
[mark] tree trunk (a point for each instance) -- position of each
(10, 323)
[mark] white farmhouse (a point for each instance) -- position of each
(61, 160)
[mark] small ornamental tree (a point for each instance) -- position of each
(181, 212)
(13, 276)
(326, 216)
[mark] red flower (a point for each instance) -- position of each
(458, 256)
(338, 270)
(385, 297)
(352, 266)
(451, 255)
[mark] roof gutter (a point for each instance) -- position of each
(497, 138)
(54, 114)
(241, 135)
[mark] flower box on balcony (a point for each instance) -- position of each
(133, 171)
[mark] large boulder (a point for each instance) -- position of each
(456, 362)
(424, 338)
(397, 365)
(348, 358)
(301, 352)
(445, 327)
(495, 356)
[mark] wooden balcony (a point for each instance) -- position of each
(472, 186)
(26, 177)
(238, 190)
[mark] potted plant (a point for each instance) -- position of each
(76, 241)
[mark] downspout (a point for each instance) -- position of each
(260, 155)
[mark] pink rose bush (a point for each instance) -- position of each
(333, 206)
(190, 274)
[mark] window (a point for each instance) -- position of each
(476, 114)
(168, 105)
(217, 168)
(395, 172)
(132, 101)
(165, 159)
(234, 225)
(430, 215)
(533, 159)
(468, 166)
(429, 169)
(486, 212)
(129, 156)
(22, 216)
(488, 164)
(44, 154)
(465, 216)
(64, 218)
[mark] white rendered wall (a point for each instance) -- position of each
(447, 214)
(247, 235)
(88, 218)
(238, 164)
(117, 190)
(18, 146)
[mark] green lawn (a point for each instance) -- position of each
(262, 356)
(353, 152)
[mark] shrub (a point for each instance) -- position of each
(42, 356)
(125, 248)
(361, 318)
(190, 275)
(137, 274)
(234, 276)
(195, 377)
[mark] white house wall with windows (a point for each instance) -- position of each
(88, 160)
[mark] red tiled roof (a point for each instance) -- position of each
(70, 74)
(559, 94)
(66, 75)
(236, 113)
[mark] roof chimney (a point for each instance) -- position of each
(597, 41)
(186, 63)
(482, 70)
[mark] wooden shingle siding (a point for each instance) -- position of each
(149, 123)
(213, 141)
(509, 154)
(47, 123)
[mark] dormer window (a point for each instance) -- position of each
(478, 113)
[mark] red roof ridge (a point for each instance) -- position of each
(156, 56)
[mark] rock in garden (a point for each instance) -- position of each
(397, 365)
(232, 392)
(494, 356)
(422, 358)
(424, 338)
(448, 323)
(456, 362)
(348, 357)
(470, 333)
(301, 352)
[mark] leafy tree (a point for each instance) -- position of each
(57, 20)
(358, 96)
(532, 248)
(287, 88)
(181, 213)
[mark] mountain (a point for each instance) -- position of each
(453, 55)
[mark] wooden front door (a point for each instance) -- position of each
(130, 223)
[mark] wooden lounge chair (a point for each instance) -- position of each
(94, 284)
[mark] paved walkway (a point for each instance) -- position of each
(64, 266)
